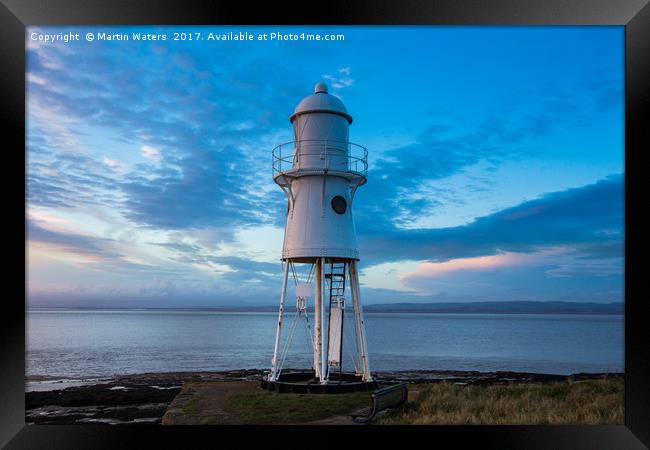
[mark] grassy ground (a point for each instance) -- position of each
(596, 401)
(263, 407)
(580, 402)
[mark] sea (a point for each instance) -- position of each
(83, 344)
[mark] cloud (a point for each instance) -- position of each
(114, 164)
(405, 182)
(587, 265)
(540, 249)
(68, 180)
(340, 81)
(73, 243)
(216, 132)
(400, 179)
(99, 116)
(438, 269)
(574, 217)
(201, 114)
(89, 252)
(150, 153)
(234, 270)
(565, 262)
(204, 188)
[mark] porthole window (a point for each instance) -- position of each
(339, 205)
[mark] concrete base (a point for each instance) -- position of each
(306, 383)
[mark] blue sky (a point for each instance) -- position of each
(496, 163)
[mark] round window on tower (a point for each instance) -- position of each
(339, 205)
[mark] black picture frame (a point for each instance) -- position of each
(634, 15)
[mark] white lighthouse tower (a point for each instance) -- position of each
(320, 171)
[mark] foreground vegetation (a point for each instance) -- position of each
(598, 401)
(570, 402)
(263, 407)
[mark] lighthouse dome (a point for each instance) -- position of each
(321, 102)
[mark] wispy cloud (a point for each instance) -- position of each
(574, 217)
(150, 153)
(341, 79)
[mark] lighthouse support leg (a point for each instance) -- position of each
(358, 319)
(318, 321)
(283, 295)
(323, 367)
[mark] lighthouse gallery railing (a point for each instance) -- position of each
(317, 155)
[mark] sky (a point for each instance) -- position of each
(496, 163)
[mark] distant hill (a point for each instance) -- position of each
(474, 307)
(502, 308)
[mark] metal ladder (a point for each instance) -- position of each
(335, 280)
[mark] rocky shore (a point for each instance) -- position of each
(144, 398)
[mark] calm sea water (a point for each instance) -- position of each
(80, 344)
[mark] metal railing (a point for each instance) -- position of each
(320, 155)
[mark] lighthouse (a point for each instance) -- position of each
(320, 172)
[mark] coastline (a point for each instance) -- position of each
(144, 398)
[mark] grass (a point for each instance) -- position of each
(265, 407)
(572, 402)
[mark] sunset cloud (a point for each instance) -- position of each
(483, 263)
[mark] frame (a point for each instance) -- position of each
(15, 15)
